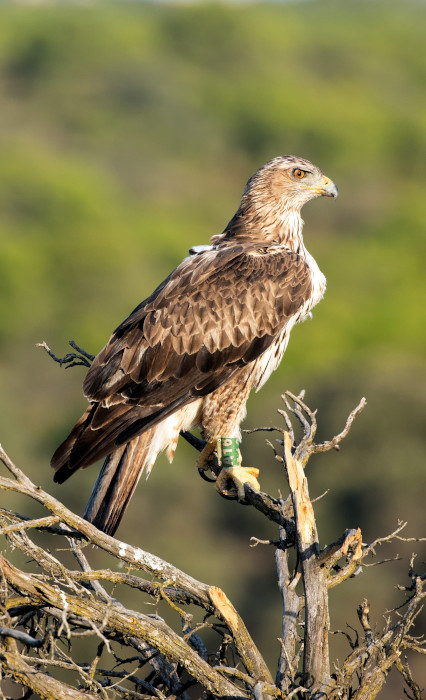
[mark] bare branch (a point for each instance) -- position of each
(40, 683)
(249, 653)
(335, 442)
(21, 637)
(153, 630)
(132, 555)
(316, 669)
(287, 663)
(71, 359)
(50, 611)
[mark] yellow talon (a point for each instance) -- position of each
(239, 476)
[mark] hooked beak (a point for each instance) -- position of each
(328, 189)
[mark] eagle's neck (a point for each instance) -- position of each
(290, 230)
(280, 224)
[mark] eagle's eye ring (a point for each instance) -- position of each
(299, 173)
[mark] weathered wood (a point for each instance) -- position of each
(135, 556)
(287, 666)
(44, 609)
(316, 666)
(38, 681)
(250, 655)
(153, 630)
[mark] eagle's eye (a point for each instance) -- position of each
(299, 173)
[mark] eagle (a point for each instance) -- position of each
(189, 355)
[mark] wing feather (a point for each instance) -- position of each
(213, 300)
(217, 311)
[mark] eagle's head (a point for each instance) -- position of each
(288, 182)
(272, 200)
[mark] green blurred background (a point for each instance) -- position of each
(127, 133)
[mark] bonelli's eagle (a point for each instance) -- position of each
(190, 354)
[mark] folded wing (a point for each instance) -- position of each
(218, 310)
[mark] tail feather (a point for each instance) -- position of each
(125, 464)
(116, 483)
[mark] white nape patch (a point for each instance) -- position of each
(196, 250)
(199, 249)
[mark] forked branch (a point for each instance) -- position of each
(204, 648)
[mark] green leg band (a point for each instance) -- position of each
(228, 452)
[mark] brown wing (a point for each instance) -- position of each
(217, 311)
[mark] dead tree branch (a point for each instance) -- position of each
(47, 609)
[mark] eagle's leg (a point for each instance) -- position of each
(231, 470)
(230, 480)
(206, 455)
(200, 445)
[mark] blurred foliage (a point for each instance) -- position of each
(127, 132)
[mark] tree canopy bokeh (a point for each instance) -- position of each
(128, 131)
